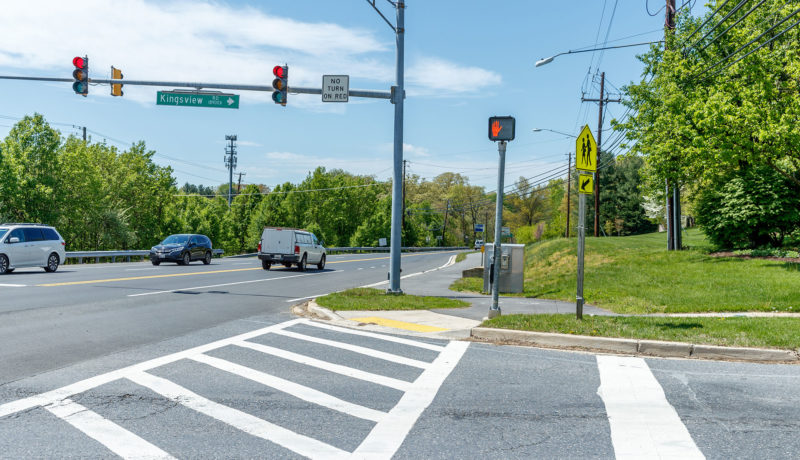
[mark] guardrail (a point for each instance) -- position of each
(112, 255)
(404, 248)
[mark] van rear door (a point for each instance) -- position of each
(277, 241)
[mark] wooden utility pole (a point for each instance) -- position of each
(239, 185)
(673, 196)
(602, 99)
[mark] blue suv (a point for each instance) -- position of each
(182, 248)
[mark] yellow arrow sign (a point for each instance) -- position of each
(586, 184)
(586, 151)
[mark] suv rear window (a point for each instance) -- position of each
(50, 234)
(33, 234)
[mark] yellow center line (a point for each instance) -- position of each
(133, 278)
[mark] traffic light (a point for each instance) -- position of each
(281, 84)
(116, 88)
(81, 75)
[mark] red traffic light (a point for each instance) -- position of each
(278, 71)
(78, 62)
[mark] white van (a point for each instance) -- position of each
(290, 246)
(30, 245)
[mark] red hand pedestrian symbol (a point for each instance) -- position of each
(496, 128)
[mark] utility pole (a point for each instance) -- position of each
(569, 180)
(230, 163)
(673, 199)
(239, 185)
(444, 227)
(84, 133)
(601, 100)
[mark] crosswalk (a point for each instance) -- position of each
(415, 387)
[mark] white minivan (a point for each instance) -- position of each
(30, 245)
(290, 246)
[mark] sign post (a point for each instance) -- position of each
(500, 129)
(585, 160)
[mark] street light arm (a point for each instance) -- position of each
(548, 60)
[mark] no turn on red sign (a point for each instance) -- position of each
(335, 88)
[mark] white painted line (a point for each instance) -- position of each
(371, 267)
(356, 349)
(117, 439)
(294, 389)
(227, 284)
(141, 269)
(310, 297)
(387, 436)
(330, 367)
(643, 423)
(13, 285)
(255, 426)
(388, 338)
(59, 394)
(360, 268)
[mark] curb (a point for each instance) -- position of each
(637, 347)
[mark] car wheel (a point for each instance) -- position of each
(187, 259)
(4, 265)
(302, 264)
(207, 258)
(155, 262)
(321, 263)
(265, 265)
(52, 263)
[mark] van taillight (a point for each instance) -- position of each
(296, 249)
(259, 247)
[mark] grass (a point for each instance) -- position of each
(463, 255)
(730, 331)
(636, 275)
(376, 299)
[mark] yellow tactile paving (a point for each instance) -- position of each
(398, 324)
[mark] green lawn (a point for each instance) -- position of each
(636, 275)
(463, 255)
(376, 299)
(731, 331)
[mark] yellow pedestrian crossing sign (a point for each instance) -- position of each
(586, 184)
(586, 151)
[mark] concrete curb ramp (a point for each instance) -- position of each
(638, 347)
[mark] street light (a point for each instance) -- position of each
(536, 130)
(548, 60)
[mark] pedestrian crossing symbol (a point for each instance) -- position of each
(586, 151)
(586, 183)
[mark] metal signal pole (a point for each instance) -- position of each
(494, 310)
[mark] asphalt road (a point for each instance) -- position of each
(80, 312)
(228, 373)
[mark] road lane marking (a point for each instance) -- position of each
(12, 285)
(243, 421)
(643, 423)
(327, 366)
(398, 324)
(357, 349)
(228, 284)
(294, 389)
(50, 397)
(171, 275)
(387, 436)
(117, 439)
(388, 338)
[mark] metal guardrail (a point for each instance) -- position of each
(112, 255)
(404, 249)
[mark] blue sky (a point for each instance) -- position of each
(466, 60)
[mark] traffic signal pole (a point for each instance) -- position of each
(494, 310)
(398, 94)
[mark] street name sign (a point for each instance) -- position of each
(505, 231)
(478, 227)
(194, 99)
(501, 128)
(586, 151)
(586, 184)
(335, 88)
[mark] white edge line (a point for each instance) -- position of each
(13, 285)
(117, 439)
(388, 338)
(303, 445)
(357, 349)
(294, 389)
(387, 436)
(390, 382)
(64, 392)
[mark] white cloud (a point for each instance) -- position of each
(205, 41)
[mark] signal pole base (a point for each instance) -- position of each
(494, 313)
(397, 292)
